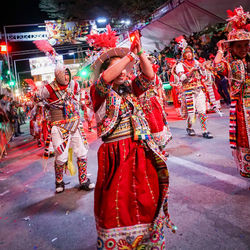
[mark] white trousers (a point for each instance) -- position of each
(75, 142)
(199, 100)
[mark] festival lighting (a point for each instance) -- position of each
(127, 22)
(101, 20)
(3, 48)
(85, 73)
(12, 83)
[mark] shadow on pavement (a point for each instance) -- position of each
(58, 203)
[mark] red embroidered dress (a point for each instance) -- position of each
(132, 184)
(239, 131)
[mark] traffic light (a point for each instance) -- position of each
(12, 83)
(3, 48)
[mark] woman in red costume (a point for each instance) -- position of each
(132, 184)
(236, 67)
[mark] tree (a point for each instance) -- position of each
(85, 9)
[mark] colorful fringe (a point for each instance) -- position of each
(232, 124)
(140, 128)
(83, 134)
(190, 107)
(203, 121)
(82, 170)
(70, 166)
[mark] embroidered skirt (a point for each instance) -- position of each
(239, 134)
(128, 197)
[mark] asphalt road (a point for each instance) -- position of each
(209, 201)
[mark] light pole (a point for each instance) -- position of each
(7, 53)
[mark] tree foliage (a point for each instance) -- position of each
(85, 9)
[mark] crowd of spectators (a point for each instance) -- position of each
(203, 43)
(12, 115)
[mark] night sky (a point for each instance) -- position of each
(21, 12)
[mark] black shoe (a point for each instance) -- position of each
(60, 187)
(87, 186)
(190, 132)
(207, 135)
(39, 144)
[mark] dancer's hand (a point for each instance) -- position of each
(221, 45)
(136, 44)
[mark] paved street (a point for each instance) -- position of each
(209, 201)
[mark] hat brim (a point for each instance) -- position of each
(113, 52)
(235, 40)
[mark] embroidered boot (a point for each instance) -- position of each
(85, 183)
(203, 121)
(189, 129)
(59, 178)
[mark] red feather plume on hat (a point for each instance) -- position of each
(238, 19)
(179, 39)
(31, 84)
(44, 46)
(104, 40)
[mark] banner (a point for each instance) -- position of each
(43, 65)
(60, 32)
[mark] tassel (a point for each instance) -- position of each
(71, 168)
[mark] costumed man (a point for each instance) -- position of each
(62, 96)
(132, 185)
(236, 66)
(190, 75)
(175, 84)
(37, 119)
(213, 100)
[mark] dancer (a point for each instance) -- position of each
(190, 75)
(236, 67)
(132, 182)
(213, 100)
(66, 128)
(176, 86)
